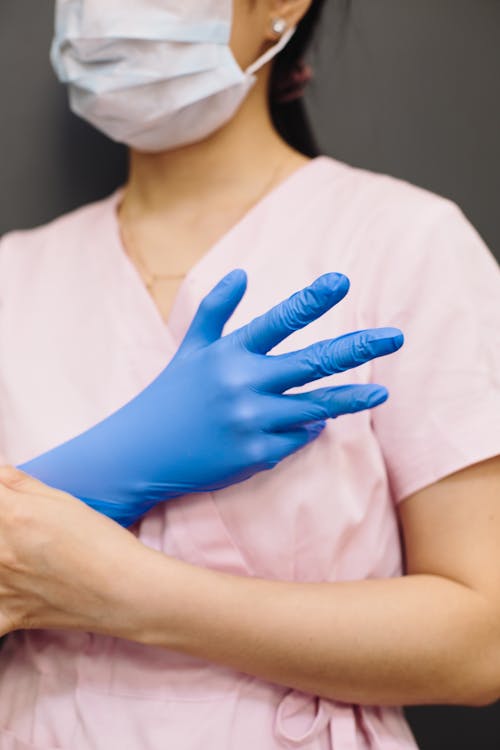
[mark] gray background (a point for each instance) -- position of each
(406, 87)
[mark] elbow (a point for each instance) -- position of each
(483, 699)
(478, 683)
(476, 679)
(483, 695)
(472, 693)
(486, 692)
(484, 702)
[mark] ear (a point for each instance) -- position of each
(284, 14)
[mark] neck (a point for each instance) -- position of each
(229, 163)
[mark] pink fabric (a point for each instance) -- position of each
(79, 336)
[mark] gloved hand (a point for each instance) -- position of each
(216, 414)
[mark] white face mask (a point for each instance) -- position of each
(154, 74)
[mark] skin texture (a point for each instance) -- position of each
(430, 637)
(194, 195)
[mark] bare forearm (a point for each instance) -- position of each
(412, 640)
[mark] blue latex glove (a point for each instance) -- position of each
(216, 414)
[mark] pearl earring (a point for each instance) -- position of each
(279, 26)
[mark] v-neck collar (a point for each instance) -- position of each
(161, 331)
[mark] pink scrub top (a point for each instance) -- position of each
(80, 336)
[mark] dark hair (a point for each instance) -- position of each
(290, 118)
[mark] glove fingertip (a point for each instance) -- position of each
(239, 273)
(377, 397)
(335, 282)
(235, 278)
(315, 428)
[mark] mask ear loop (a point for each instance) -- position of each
(271, 53)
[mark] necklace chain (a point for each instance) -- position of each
(150, 277)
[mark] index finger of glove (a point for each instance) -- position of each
(268, 330)
(329, 357)
(214, 311)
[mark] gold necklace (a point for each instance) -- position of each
(151, 278)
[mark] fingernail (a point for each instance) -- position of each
(387, 342)
(398, 340)
(378, 397)
(236, 274)
(316, 427)
(333, 282)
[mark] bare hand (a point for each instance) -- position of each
(62, 565)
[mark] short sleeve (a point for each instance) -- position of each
(441, 286)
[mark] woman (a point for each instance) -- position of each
(275, 613)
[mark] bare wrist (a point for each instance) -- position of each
(141, 601)
(163, 600)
